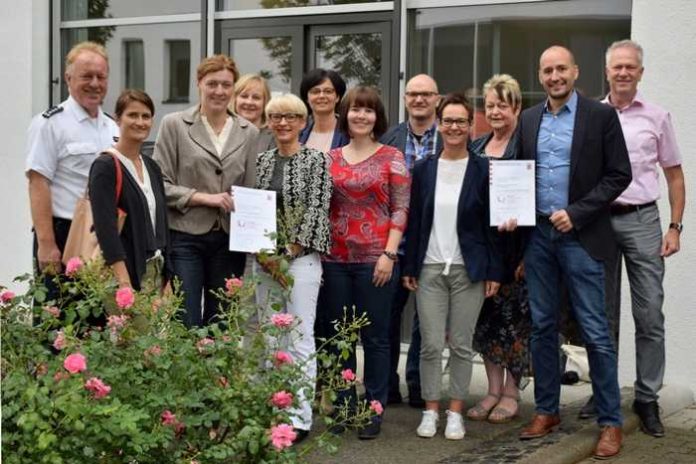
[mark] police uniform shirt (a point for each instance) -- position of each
(63, 143)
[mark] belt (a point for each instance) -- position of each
(618, 209)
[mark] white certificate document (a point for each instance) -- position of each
(512, 192)
(253, 220)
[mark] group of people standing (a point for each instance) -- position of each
(371, 214)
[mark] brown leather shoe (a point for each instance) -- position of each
(541, 424)
(609, 443)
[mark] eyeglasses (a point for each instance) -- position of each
(289, 117)
(460, 122)
(316, 91)
(424, 95)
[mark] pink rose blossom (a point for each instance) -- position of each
(59, 342)
(203, 343)
(348, 375)
(154, 350)
(282, 399)
(75, 363)
(52, 310)
(98, 388)
(73, 267)
(282, 320)
(125, 297)
(233, 285)
(282, 436)
(168, 418)
(282, 357)
(115, 322)
(6, 296)
(376, 406)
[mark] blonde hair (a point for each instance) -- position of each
(82, 47)
(216, 63)
(242, 84)
(506, 88)
(286, 103)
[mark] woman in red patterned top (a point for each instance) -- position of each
(368, 215)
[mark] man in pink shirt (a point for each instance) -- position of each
(635, 218)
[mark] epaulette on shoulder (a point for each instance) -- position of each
(52, 111)
(108, 116)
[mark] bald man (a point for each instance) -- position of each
(416, 138)
(581, 167)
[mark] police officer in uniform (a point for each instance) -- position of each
(62, 143)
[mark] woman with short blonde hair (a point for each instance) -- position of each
(251, 95)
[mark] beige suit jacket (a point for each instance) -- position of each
(191, 164)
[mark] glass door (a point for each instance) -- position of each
(358, 52)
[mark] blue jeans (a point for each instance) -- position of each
(202, 263)
(348, 285)
(551, 256)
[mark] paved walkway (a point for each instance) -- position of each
(491, 444)
(678, 446)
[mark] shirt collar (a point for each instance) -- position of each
(637, 100)
(80, 113)
(570, 106)
(430, 131)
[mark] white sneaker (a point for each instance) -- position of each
(428, 425)
(455, 426)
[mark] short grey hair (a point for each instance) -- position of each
(286, 103)
(627, 43)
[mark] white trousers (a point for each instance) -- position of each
(306, 272)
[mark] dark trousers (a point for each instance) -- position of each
(202, 263)
(61, 228)
(350, 286)
(399, 301)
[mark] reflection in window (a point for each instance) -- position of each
(461, 47)
(179, 52)
(270, 57)
(74, 10)
(134, 64)
(356, 57)
(127, 47)
(223, 5)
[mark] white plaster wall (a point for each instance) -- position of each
(23, 76)
(666, 32)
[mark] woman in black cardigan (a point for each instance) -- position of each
(137, 254)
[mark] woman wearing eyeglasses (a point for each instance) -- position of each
(321, 91)
(300, 177)
(203, 151)
(452, 262)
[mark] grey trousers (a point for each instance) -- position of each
(447, 306)
(639, 238)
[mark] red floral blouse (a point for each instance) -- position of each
(369, 198)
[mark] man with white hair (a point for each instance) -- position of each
(62, 143)
(635, 219)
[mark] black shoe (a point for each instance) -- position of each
(415, 400)
(649, 415)
(394, 398)
(301, 435)
(371, 431)
(338, 426)
(588, 411)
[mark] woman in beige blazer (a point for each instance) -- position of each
(203, 151)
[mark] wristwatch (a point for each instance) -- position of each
(391, 255)
(678, 226)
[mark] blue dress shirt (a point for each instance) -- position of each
(553, 157)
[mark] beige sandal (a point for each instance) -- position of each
(503, 415)
(480, 412)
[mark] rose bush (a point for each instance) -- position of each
(153, 392)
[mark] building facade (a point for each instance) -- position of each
(157, 44)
